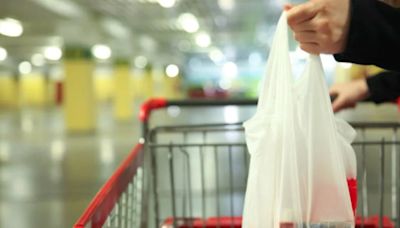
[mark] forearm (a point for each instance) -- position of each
(374, 35)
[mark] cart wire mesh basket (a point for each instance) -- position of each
(195, 175)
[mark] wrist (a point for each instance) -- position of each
(363, 89)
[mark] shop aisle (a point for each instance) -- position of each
(47, 177)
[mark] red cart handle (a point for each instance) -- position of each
(158, 103)
(150, 105)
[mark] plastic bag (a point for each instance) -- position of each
(301, 156)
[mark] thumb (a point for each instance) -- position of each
(338, 104)
(333, 93)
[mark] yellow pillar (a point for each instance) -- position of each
(342, 73)
(50, 92)
(123, 91)
(32, 89)
(138, 83)
(103, 84)
(148, 85)
(79, 103)
(8, 91)
(362, 71)
(143, 83)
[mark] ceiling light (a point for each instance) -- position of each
(226, 4)
(37, 59)
(172, 70)
(53, 53)
(11, 27)
(140, 62)
(25, 67)
(216, 55)
(203, 40)
(229, 70)
(101, 51)
(3, 54)
(188, 22)
(147, 43)
(66, 8)
(167, 3)
(114, 28)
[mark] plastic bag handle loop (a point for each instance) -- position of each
(279, 80)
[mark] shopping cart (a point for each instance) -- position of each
(194, 175)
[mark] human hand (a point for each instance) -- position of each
(348, 94)
(320, 26)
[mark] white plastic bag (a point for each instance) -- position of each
(301, 155)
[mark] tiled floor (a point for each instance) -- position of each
(47, 176)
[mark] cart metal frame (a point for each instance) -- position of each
(123, 201)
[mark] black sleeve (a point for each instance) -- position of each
(384, 87)
(374, 35)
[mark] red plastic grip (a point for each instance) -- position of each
(150, 105)
(352, 185)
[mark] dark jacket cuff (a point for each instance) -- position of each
(384, 87)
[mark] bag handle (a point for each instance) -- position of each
(278, 75)
(278, 79)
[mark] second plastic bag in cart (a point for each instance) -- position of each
(302, 164)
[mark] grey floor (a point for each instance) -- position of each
(47, 176)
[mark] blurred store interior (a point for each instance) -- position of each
(73, 74)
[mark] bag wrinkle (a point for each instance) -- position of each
(300, 154)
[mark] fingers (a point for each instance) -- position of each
(312, 48)
(328, 19)
(287, 7)
(342, 102)
(339, 103)
(300, 19)
(333, 92)
(306, 37)
(301, 13)
(341, 99)
(303, 27)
